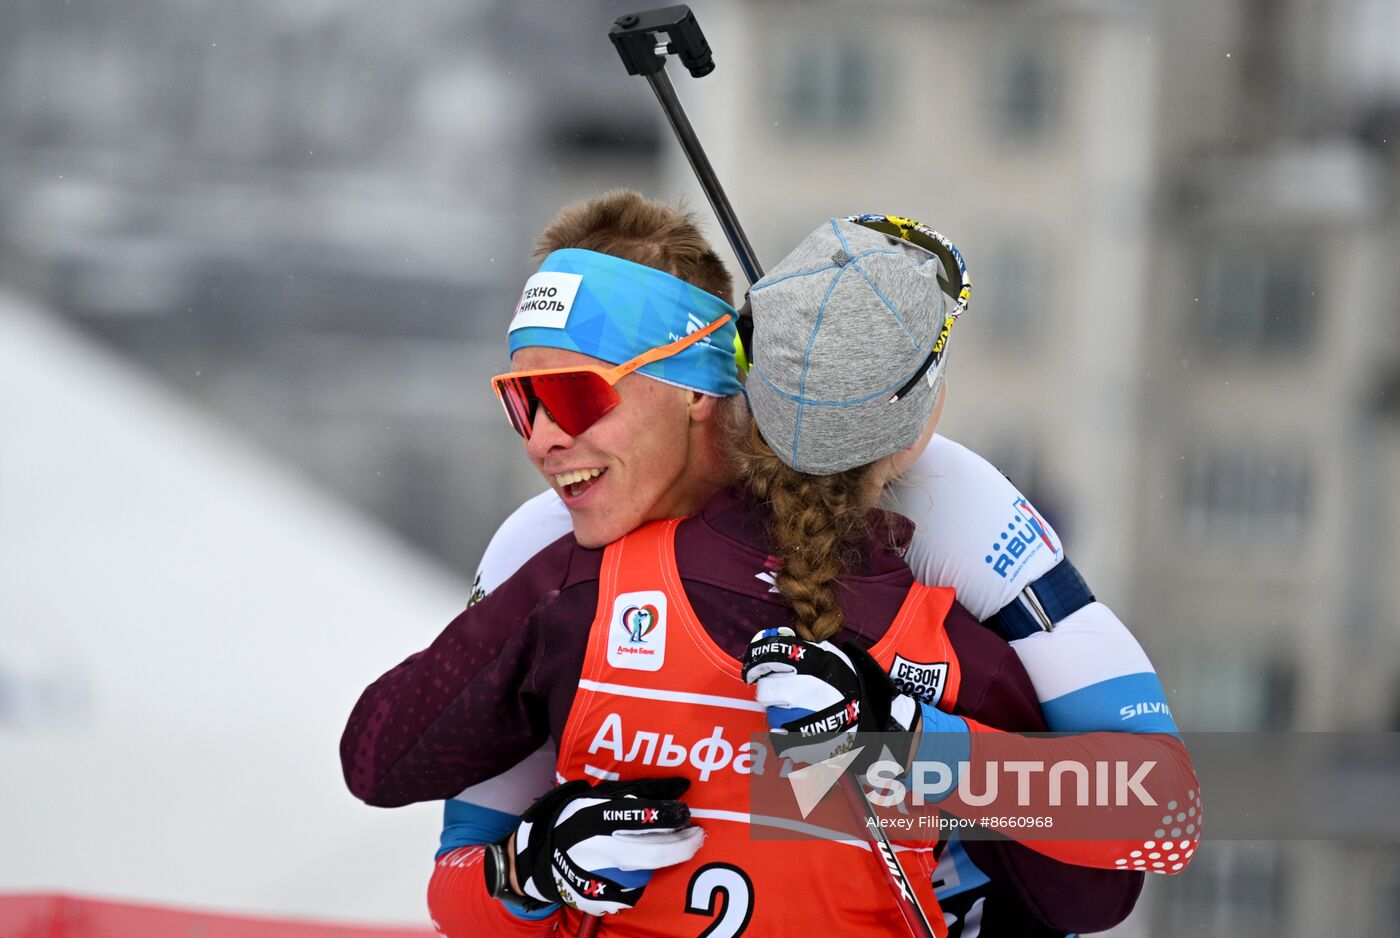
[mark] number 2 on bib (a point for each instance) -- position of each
(718, 882)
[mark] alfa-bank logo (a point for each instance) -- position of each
(637, 637)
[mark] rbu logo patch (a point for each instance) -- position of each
(924, 680)
(1024, 536)
(637, 635)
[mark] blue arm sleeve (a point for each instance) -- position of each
(466, 825)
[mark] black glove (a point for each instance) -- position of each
(593, 847)
(818, 695)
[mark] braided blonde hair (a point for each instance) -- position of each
(818, 525)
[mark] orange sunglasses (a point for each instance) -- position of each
(577, 398)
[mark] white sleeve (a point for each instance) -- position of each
(532, 527)
(973, 529)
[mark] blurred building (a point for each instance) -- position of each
(1269, 511)
(1276, 300)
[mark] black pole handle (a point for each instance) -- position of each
(634, 35)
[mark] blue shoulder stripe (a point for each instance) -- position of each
(1133, 703)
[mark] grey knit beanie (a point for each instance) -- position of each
(840, 324)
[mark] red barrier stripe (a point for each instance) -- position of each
(58, 916)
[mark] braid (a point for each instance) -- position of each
(818, 525)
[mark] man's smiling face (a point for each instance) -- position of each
(631, 467)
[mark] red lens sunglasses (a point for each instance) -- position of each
(577, 398)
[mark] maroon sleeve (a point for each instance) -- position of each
(471, 704)
(997, 691)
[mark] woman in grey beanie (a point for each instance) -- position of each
(846, 387)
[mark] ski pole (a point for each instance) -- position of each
(898, 882)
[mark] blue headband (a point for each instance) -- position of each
(614, 310)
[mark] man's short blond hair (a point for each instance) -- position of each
(625, 224)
